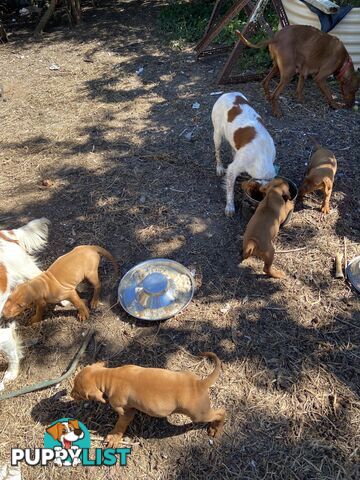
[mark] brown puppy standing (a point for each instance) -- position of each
(154, 391)
(320, 175)
(265, 223)
(59, 283)
(305, 50)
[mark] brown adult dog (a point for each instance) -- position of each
(320, 175)
(308, 51)
(59, 283)
(265, 223)
(154, 391)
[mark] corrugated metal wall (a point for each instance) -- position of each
(348, 30)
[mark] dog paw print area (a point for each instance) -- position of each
(156, 289)
(67, 434)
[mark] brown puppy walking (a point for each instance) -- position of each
(265, 223)
(59, 283)
(154, 391)
(305, 50)
(320, 175)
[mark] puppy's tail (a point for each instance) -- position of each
(211, 379)
(246, 42)
(105, 253)
(314, 141)
(249, 249)
(33, 236)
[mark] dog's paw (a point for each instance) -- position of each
(10, 376)
(229, 210)
(34, 319)
(83, 315)
(220, 171)
(214, 432)
(113, 440)
(94, 304)
(325, 209)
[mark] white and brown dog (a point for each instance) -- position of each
(66, 433)
(253, 146)
(16, 266)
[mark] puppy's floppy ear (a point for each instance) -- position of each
(264, 188)
(97, 395)
(286, 191)
(54, 431)
(102, 364)
(286, 196)
(74, 423)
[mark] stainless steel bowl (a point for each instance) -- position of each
(293, 192)
(353, 272)
(156, 289)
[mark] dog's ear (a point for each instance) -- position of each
(97, 395)
(55, 431)
(245, 185)
(75, 424)
(264, 188)
(286, 196)
(286, 192)
(102, 364)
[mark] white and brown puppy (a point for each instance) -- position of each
(253, 146)
(16, 266)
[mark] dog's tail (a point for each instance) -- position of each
(249, 249)
(108, 255)
(211, 379)
(33, 236)
(246, 42)
(315, 142)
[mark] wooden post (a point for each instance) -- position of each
(45, 18)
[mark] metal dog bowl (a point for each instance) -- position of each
(156, 289)
(256, 199)
(353, 273)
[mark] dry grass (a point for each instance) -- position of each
(125, 178)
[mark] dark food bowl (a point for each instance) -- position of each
(253, 196)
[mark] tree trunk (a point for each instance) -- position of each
(3, 35)
(45, 18)
(75, 11)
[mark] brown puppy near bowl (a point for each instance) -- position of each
(59, 283)
(154, 391)
(305, 50)
(320, 175)
(265, 223)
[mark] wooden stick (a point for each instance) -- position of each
(338, 267)
(345, 256)
(290, 251)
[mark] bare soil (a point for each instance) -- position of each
(123, 175)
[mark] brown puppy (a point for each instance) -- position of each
(265, 223)
(154, 391)
(305, 50)
(59, 283)
(320, 175)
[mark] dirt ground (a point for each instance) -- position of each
(125, 177)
